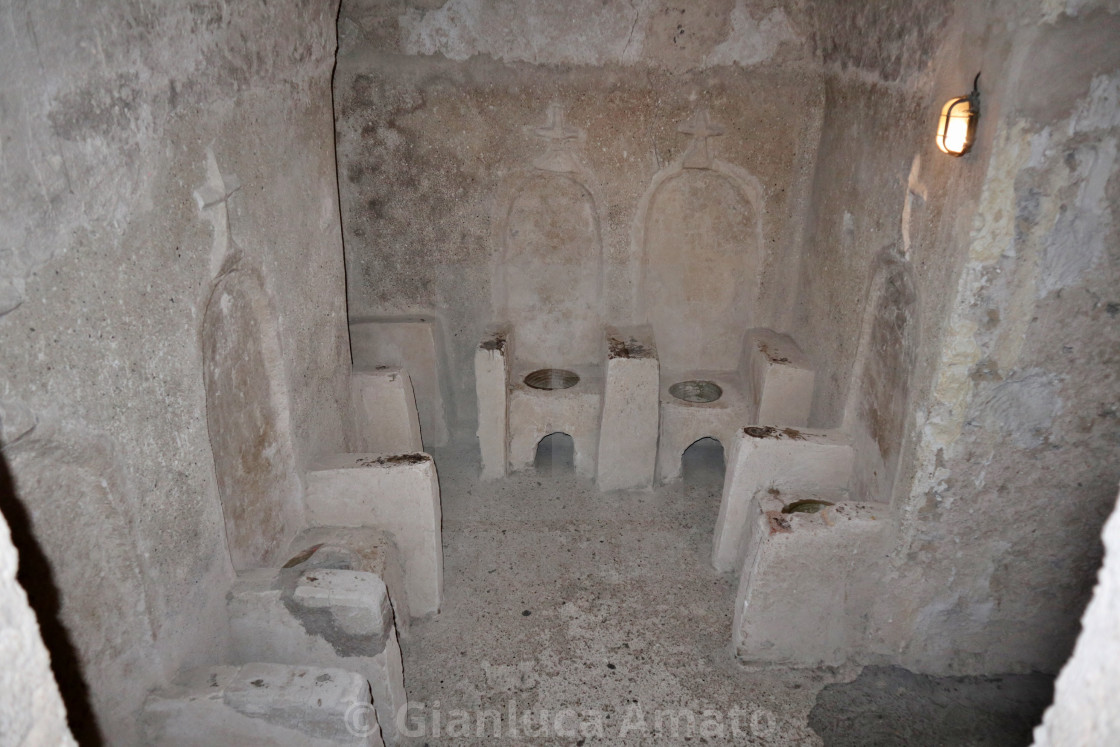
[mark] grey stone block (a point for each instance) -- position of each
(258, 703)
(329, 617)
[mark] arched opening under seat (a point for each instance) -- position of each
(555, 454)
(702, 467)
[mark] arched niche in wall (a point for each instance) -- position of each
(548, 271)
(247, 418)
(878, 403)
(698, 240)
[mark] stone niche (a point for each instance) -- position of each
(247, 415)
(413, 344)
(548, 273)
(877, 409)
(702, 263)
(700, 240)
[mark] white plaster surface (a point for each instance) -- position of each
(683, 423)
(536, 413)
(383, 409)
(396, 493)
(629, 425)
(807, 579)
(780, 377)
(1086, 709)
(31, 710)
(491, 377)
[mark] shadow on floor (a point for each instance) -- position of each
(893, 706)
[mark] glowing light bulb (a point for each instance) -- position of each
(956, 129)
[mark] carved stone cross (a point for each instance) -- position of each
(701, 127)
(558, 155)
(556, 129)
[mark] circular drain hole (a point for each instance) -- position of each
(696, 391)
(552, 378)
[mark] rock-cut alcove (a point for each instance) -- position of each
(629, 190)
(247, 417)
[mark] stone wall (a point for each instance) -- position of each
(1017, 435)
(158, 158)
(993, 432)
(1010, 438)
(443, 113)
(115, 115)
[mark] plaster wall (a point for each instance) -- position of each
(437, 107)
(111, 114)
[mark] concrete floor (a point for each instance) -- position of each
(573, 616)
(560, 597)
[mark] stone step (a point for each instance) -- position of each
(324, 616)
(355, 549)
(262, 704)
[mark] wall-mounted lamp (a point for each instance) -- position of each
(957, 127)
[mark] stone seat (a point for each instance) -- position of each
(799, 588)
(763, 459)
(397, 494)
(683, 423)
(536, 413)
(780, 378)
(801, 593)
(610, 412)
(773, 384)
